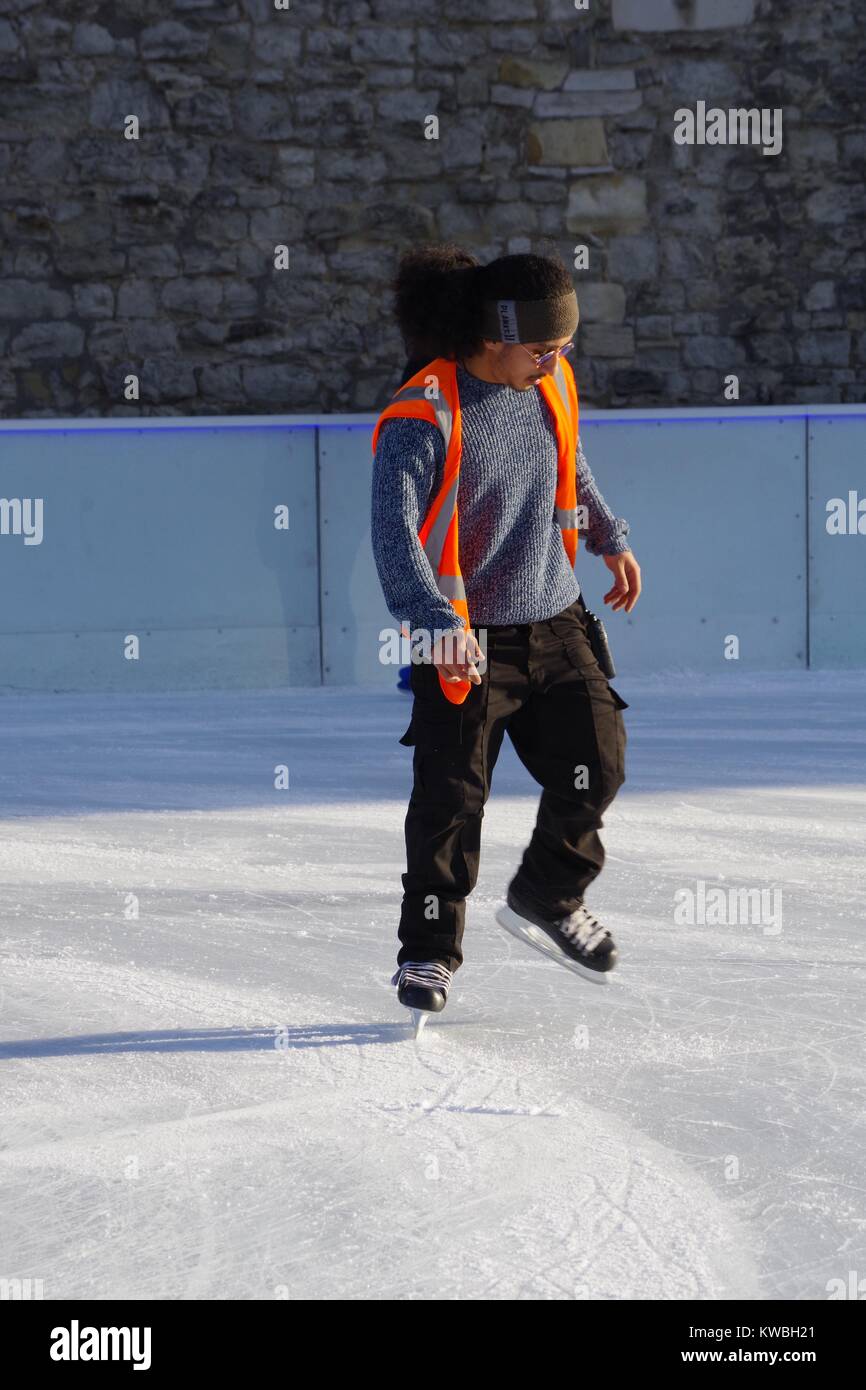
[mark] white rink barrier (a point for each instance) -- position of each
(172, 553)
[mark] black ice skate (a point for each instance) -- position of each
(422, 986)
(577, 941)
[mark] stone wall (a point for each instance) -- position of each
(308, 128)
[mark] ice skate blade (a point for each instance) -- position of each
(419, 1020)
(535, 937)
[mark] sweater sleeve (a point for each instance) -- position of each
(605, 534)
(407, 469)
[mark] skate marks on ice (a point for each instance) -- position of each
(330, 1160)
(504, 1185)
(127, 1152)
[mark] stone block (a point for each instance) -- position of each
(513, 38)
(454, 48)
(836, 204)
(568, 143)
(706, 351)
(167, 379)
(633, 258)
(48, 340)
(824, 349)
(606, 340)
(389, 76)
(608, 201)
(636, 381)
(600, 80)
(601, 302)
(804, 147)
(472, 88)
(222, 383)
(92, 40)
(383, 45)
(821, 295)
(658, 16)
(264, 115)
(500, 95)
(653, 328)
(827, 319)
(479, 11)
(150, 337)
(28, 299)
(774, 349)
(112, 100)
(409, 105)
(285, 385)
(193, 295)
(535, 73)
(593, 103)
(692, 77)
(94, 301)
(172, 40)
(136, 299)
(460, 146)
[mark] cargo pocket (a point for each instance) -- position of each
(419, 678)
(438, 762)
(581, 656)
(435, 725)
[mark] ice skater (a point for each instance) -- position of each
(485, 433)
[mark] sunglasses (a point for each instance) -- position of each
(547, 356)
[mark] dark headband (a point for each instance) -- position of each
(529, 320)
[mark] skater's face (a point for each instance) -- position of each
(517, 365)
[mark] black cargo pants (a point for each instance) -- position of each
(544, 687)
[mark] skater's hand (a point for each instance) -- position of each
(626, 572)
(455, 656)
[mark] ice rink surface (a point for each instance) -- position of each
(209, 1090)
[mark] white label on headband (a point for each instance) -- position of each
(508, 320)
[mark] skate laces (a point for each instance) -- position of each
(582, 927)
(431, 974)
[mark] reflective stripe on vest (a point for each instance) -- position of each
(441, 408)
(435, 538)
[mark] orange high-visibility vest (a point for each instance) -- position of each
(431, 394)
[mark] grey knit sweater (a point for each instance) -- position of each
(512, 558)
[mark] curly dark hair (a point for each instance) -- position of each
(439, 289)
(434, 298)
